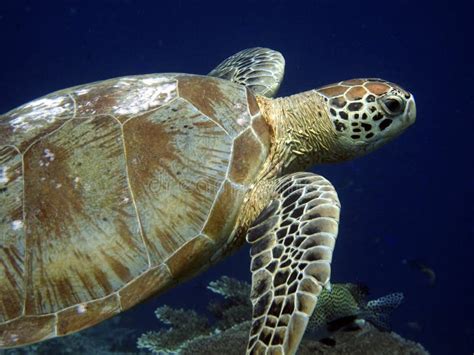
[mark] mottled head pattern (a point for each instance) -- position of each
(368, 112)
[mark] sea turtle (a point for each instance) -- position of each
(114, 191)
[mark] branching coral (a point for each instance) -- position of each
(235, 308)
(232, 289)
(192, 334)
(183, 325)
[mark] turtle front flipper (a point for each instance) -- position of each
(260, 69)
(292, 242)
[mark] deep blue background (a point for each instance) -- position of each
(410, 200)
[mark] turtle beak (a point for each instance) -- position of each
(411, 112)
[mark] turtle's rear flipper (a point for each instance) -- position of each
(292, 242)
(260, 69)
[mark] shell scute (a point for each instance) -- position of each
(247, 151)
(191, 258)
(19, 331)
(263, 131)
(175, 173)
(83, 315)
(12, 234)
(145, 286)
(222, 101)
(224, 212)
(252, 103)
(83, 235)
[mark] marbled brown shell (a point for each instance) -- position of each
(113, 191)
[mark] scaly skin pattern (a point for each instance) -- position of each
(298, 213)
(332, 124)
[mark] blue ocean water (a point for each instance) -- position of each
(410, 200)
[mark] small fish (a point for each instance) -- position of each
(422, 267)
(344, 307)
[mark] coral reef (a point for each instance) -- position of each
(236, 307)
(190, 333)
(367, 341)
(185, 325)
(230, 341)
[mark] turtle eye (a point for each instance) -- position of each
(392, 105)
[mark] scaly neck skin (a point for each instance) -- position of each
(303, 133)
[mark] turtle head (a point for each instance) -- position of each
(367, 113)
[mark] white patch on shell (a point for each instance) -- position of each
(16, 225)
(155, 81)
(48, 154)
(47, 157)
(40, 112)
(242, 122)
(238, 107)
(83, 91)
(76, 181)
(14, 337)
(3, 175)
(150, 93)
(81, 309)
